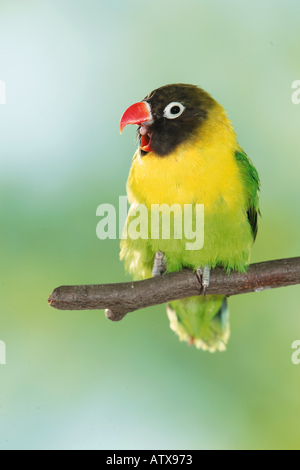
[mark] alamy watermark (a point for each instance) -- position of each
(160, 222)
(2, 92)
(295, 358)
(296, 94)
(2, 353)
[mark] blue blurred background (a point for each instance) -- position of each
(73, 379)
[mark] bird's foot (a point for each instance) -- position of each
(160, 264)
(203, 275)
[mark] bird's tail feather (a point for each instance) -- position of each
(203, 321)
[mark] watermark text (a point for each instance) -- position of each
(2, 353)
(296, 354)
(296, 94)
(158, 222)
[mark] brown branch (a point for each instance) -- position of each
(120, 299)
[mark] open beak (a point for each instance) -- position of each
(139, 113)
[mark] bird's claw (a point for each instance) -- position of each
(203, 275)
(160, 264)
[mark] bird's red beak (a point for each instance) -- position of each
(138, 113)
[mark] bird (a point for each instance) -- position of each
(188, 155)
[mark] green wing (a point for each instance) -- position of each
(252, 186)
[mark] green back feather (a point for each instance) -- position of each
(252, 186)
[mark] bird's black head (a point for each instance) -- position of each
(168, 117)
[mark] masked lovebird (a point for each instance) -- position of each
(188, 157)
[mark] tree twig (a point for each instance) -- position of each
(120, 299)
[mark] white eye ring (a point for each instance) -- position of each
(168, 110)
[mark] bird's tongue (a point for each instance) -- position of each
(145, 139)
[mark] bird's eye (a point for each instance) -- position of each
(173, 110)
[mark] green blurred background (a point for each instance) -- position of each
(73, 379)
